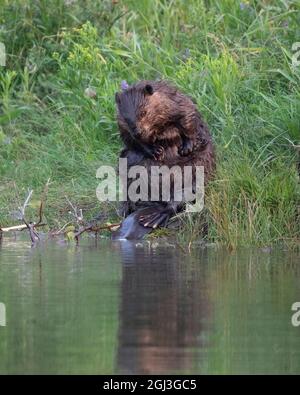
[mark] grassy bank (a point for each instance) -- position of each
(234, 58)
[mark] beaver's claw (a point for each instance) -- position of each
(186, 147)
(154, 220)
(158, 153)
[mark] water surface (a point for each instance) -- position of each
(118, 307)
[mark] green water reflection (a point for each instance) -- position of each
(118, 308)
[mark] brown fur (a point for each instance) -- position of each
(164, 118)
(161, 117)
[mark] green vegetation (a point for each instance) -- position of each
(234, 58)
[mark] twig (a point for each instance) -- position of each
(33, 233)
(78, 217)
(31, 226)
(19, 227)
(58, 232)
(23, 208)
(34, 236)
(93, 228)
(43, 201)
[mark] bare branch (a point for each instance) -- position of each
(60, 231)
(43, 201)
(31, 226)
(33, 233)
(78, 217)
(23, 208)
(96, 229)
(19, 227)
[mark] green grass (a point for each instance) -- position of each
(235, 60)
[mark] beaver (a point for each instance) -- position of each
(154, 116)
(159, 126)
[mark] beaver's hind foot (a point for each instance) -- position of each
(157, 218)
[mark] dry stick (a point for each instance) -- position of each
(34, 236)
(31, 226)
(96, 229)
(43, 201)
(87, 228)
(19, 227)
(58, 232)
(79, 218)
(33, 233)
(23, 208)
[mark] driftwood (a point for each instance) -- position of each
(30, 226)
(87, 227)
(81, 225)
(16, 228)
(95, 229)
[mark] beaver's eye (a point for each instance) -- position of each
(142, 113)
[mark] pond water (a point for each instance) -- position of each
(118, 307)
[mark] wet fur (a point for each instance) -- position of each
(165, 118)
(153, 114)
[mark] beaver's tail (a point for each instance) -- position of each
(132, 228)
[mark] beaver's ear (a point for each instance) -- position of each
(148, 89)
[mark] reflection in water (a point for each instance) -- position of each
(163, 312)
(125, 308)
(62, 308)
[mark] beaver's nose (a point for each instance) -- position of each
(138, 131)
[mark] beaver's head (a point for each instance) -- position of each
(144, 111)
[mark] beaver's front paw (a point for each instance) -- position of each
(186, 147)
(158, 153)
